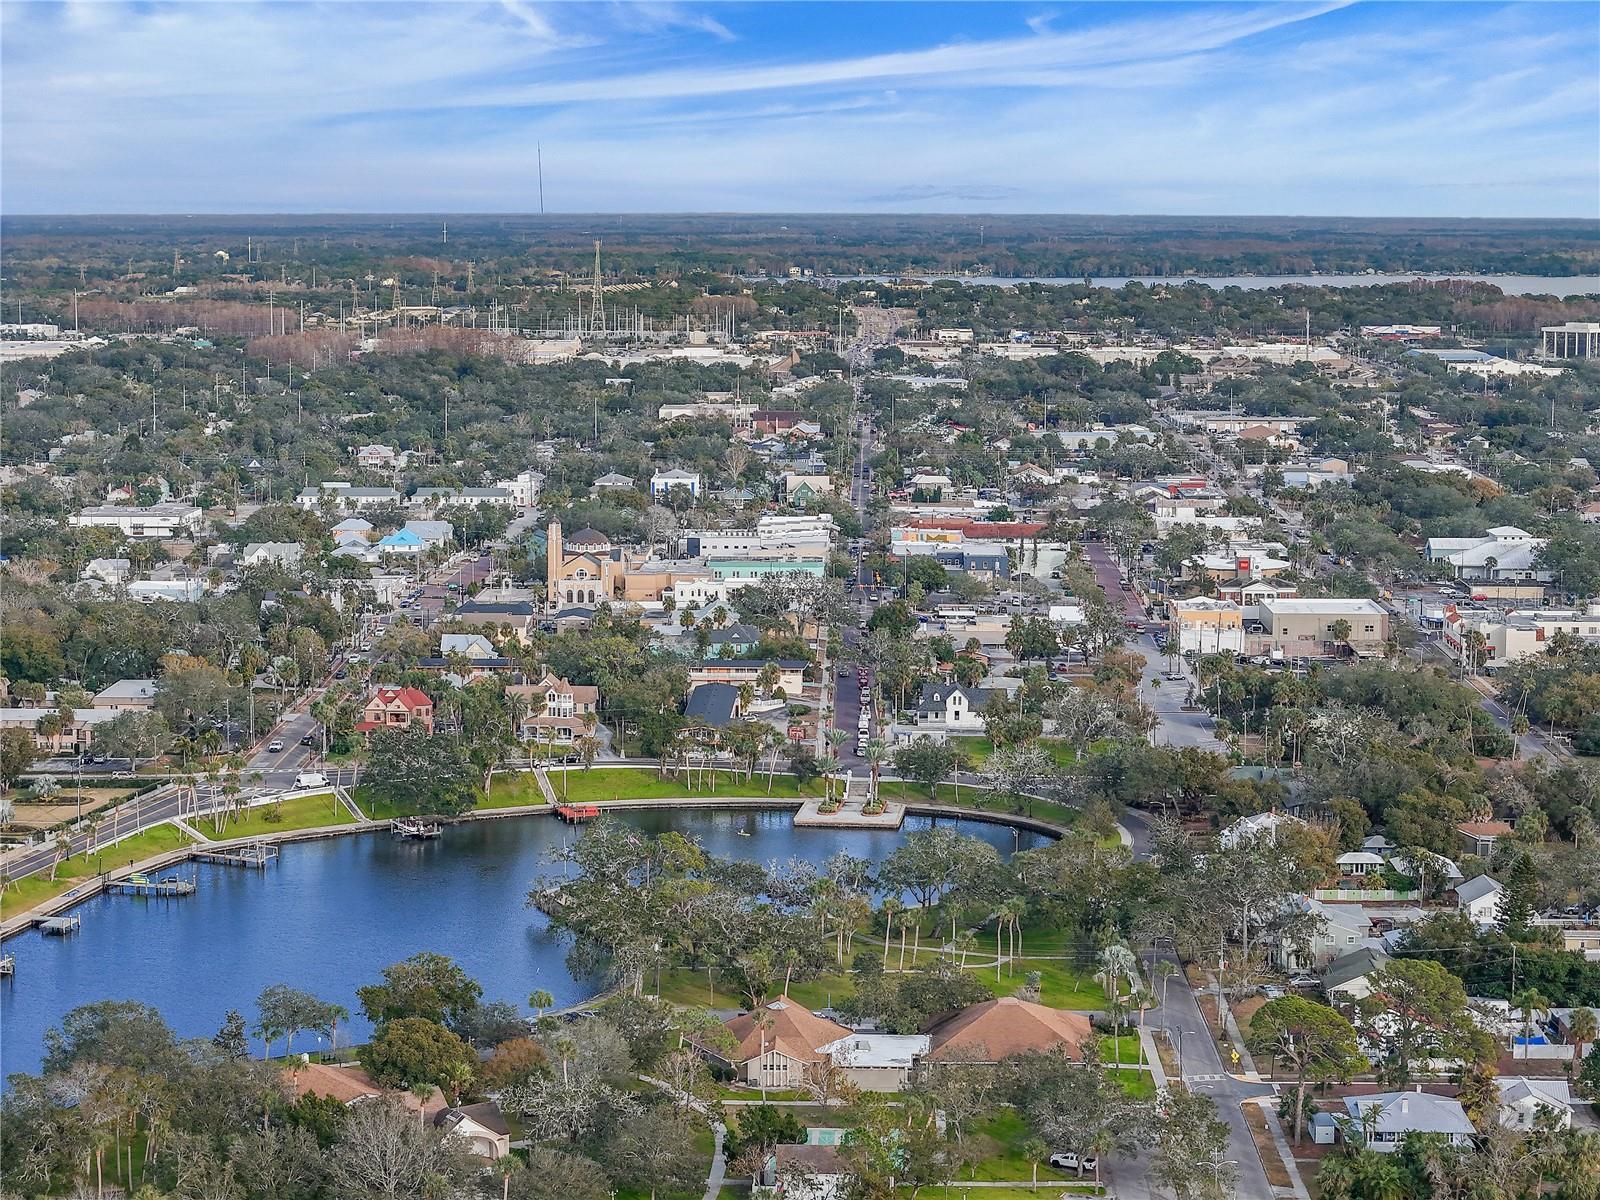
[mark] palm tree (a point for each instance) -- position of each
(539, 1001)
(1035, 1152)
(890, 907)
(877, 754)
(1530, 1001)
(1580, 1032)
(63, 852)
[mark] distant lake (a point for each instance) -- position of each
(333, 913)
(1512, 285)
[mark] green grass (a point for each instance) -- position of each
(1120, 1051)
(519, 790)
(998, 1139)
(642, 783)
(725, 1091)
(1140, 1085)
(978, 749)
(303, 812)
(23, 894)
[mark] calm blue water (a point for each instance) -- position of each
(1512, 285)
(332, 914)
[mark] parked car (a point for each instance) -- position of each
(1065, 1160)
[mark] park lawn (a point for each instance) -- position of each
(1060, 985)
(978, 749)
(23, 894)
(303, 812)
(377, 809)
(999, 1139)
(643, 783)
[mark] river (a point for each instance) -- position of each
(333, 913)
(1512, 285)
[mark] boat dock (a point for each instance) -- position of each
(61, 926)
(139, 885)
(8, 965)
(574, 814)
(257, 856)
(415, 829)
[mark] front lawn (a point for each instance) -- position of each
(1120, 1051)
(23, 894)
(998, 1139)
(303, 812)
(513, 790)
(1140, 1085)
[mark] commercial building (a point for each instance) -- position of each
(1574, 339)
(1508, 637)
(1306, 628)
(1204, 626)
(170, 520)
(1504, 554)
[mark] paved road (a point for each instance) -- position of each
(1202, 1067)
(1165, 697)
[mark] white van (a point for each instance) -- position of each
(310, 779)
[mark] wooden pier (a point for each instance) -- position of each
(61, 926)
(139, 885)
(574, 814)
(256, 855)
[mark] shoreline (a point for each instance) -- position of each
(22, 922)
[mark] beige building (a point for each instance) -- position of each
(1306, 628)
(1204, 626)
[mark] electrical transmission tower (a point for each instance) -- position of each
(597, 314)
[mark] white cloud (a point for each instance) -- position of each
(1298, 108)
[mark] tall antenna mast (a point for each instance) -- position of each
(447, 233)
(597, 315)
(540, 146)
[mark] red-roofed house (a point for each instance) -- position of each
(776, 1045)
(396, 708)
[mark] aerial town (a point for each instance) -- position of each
(1162, 718)
(683, 696)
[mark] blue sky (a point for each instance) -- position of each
(1306, 108)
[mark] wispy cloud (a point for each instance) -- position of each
(1313, 107)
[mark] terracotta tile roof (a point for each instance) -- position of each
(348, 1085)
(997, 1029)
(795, 1031)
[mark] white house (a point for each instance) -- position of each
(1256, 825)
(1386, 1119)
(663, 483)
(523, 488)
(342, 497)
(1479, 900)
(1530, 1103)
(481, 1127)
(949, 705)
(282, 554)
